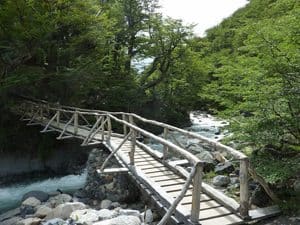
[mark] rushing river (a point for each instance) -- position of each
(11, 196)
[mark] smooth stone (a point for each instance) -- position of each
(30, 221)
(114, 205)
(85, 216)
(208, 159)
(234, 180)
(27, 210)
(296, 186)
(31, 201)
(121, 220)
(55, 221)
(224, 168)
(43, 211)
(221, 181)
(60, 199)
(129, 212)
(105, 204)
(105, 214)
(63, 211)
(40, 195)
(147, 216)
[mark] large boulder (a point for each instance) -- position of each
(105, 214)
(221, 181)
(63, 211)
(208, 159)
(40, 195)
(85, 216)
(30, 221)
(60, 199)
(42, 211)
(31, 201)
(224, 168)
(121, 220)
(105, 204)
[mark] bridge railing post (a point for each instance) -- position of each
(244, 188)
(195, 210)
(75, 122)
(166, 149)
(124, 126)
(109, 128)
(133, 141)
(58, 118)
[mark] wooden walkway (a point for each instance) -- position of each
(180, 192)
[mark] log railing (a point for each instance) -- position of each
(102, 121)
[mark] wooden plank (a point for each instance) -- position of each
(150, 166)
(160, 174)
(188, 199)
(176, 193)
(207, 213)
(144, 161)
(176, 187)
(224, 220)
(165, 177)
(205, 204)
(262, 213)
(113, 170)
(170, 182)
(154, 170)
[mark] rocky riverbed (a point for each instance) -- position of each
(40, 208)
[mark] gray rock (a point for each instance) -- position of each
(31, 201)
(105, 204)
(234, 180)
(55, 221)
(60, 199)
(147, 216)
(121, 220)
(85, 216)
(224, 168)
(105, 214)
(11, 221)
(26, 210)
(114, 205)
(40, 195)
(221, 181)
(208, 159)
(30, 221)
(42, 211)
(296, 186)
(10, 214)
(63, 211)
(129, 212)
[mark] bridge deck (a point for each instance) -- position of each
(178, 192)
(161, 179)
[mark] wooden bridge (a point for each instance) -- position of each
(176, 186)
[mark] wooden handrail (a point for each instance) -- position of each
(127, 123)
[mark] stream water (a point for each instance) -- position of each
(11, 196)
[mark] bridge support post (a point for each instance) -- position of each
(244, 188)
(133, 141)
(109, 129)
(57, 117)
(195, 211)
(166, 149)
(75, 122)
(124, 126)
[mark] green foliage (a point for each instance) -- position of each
(276, 169)
(255, 72)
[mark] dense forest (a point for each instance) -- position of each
(123, 55)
